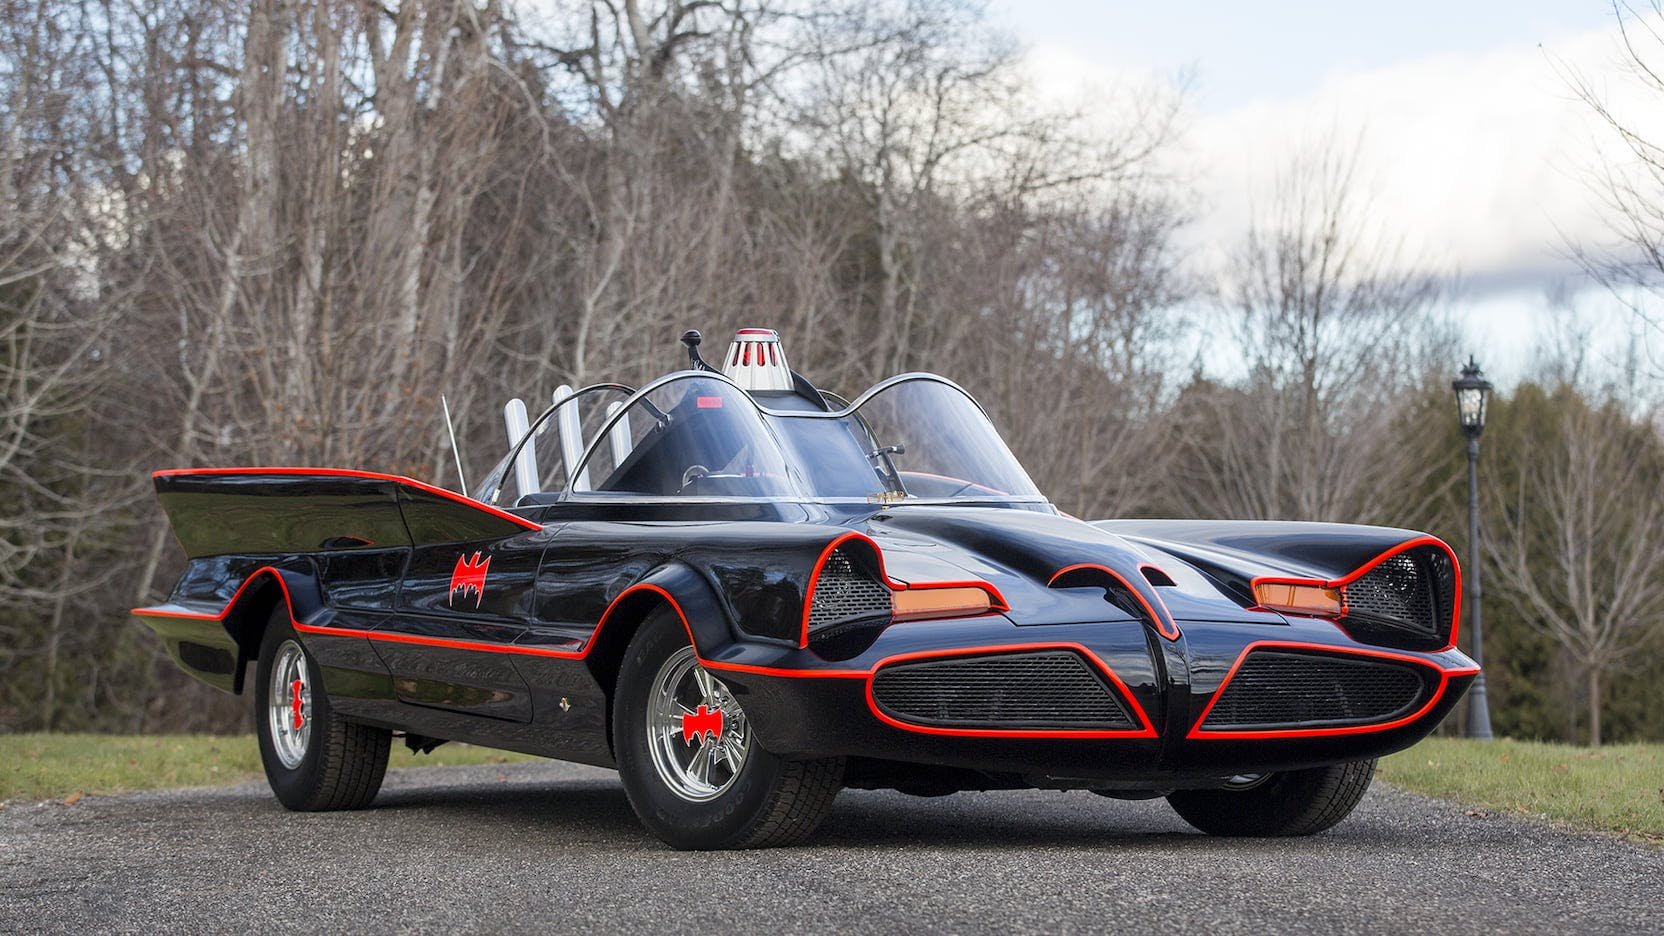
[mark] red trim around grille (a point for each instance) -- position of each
(1145, 729)
(1361, 571)
(1197, 731)
(996, 601)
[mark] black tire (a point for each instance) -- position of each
(1296, 802)
(343, 763)
(771, 801)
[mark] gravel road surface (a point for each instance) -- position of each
(552, 847)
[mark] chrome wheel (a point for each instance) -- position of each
(696, 732)
(289, 704)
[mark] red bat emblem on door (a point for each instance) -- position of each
(703, 724)
(469, 575)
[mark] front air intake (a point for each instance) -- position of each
(1025, 690)
(847, 593)
(1407, 601)
(1292, 689)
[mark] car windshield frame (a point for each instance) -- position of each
(790, 453)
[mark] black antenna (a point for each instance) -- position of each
(691, 339)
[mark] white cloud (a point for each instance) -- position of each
(1478, 162)
(1476, 158)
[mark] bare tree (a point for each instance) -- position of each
(57, 330)
(274, 232)
(1337, 335)
(1575, 532)
(1088, 317)
(921, 104)
(1628, 181)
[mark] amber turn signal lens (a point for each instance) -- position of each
(916, 604)
(1299, 599)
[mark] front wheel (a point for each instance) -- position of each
(691, 765)
(315, 760)
(1294, 802)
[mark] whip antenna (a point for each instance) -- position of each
(461, 480)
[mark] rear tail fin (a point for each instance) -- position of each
(283, 511)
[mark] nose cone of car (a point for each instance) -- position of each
(756, 361)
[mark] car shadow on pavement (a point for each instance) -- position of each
(597, 813)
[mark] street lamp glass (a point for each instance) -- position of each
(1470, 406)
(1473, 392)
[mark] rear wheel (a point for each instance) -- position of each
(1294, 802)
(690, 763)
(314, 759)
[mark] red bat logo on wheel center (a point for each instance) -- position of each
(469, 576)
(295, 688)
(705, 724)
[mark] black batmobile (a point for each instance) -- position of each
(746, 593)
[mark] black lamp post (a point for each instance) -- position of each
(1473, 392)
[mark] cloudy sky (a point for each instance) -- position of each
(1473, 147)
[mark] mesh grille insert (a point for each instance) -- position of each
(1026, 690)
(1408, 600)
(846, 593)
(1394, 589)
(1275, 689)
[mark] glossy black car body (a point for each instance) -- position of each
(1117, 655)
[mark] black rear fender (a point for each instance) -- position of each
(215, 638)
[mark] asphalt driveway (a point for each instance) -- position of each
(552, 847)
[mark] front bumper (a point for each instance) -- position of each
(801, 705)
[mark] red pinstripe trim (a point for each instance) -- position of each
(785, 673)
(1146, 731)
(232, 603)
(996, 601)
(424, 641)
(354, 473)
(483, 647)
(1361, 571)
(1197, 731)
(177, 615)
(708, 664)
(1165, 625)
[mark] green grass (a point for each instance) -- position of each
(1618, 788)
(59, 766)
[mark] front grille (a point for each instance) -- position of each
(1407, 601)
(1283, 689)
(1036, 690)
(846, 593)
(1394, 589)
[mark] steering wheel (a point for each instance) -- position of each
(963, 487)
